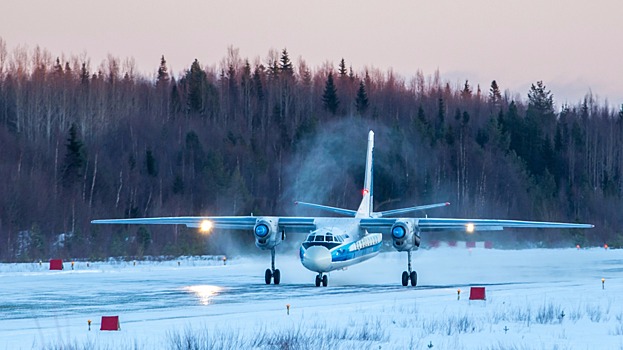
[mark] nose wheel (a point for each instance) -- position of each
(272, 273)
(322, 278)
(409, 275)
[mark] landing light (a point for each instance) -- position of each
(206, 226)
(469, 228)
(205, 293)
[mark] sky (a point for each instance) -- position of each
(574, 46)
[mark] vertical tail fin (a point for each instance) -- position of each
(365, 208)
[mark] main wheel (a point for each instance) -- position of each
(268, 275)
(317, 280)
(277, 276)
(325, 280)
(405, 278)
(413, 278)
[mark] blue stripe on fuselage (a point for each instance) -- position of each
(343, 254)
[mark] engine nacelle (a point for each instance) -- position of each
(266, 232)
(405, 237)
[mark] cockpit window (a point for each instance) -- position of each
(319, 239)
(329, 238)
(310, 238)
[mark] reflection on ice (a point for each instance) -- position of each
(205, 293)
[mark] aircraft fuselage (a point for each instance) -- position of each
(329, 249)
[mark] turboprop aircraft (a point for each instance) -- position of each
(335, 243)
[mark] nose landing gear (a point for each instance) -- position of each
(322, 278)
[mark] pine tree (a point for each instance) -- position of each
(74, 158)
(150, 164)
(361, 101)
(163, 73)
(84, 75)
(466, 93)
(329, 97)
(196, 80)
(342, 69)
(285, 65)
(540, 100)
(494, 93)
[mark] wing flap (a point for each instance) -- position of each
(433, 224)
(291, 224)
(222, 222)
(467, 225)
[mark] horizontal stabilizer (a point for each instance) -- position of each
(340, 211)
(407, 210)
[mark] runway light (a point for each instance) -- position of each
(206, 226)
(469, 228)
(603, 282)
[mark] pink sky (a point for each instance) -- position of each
(572, 45)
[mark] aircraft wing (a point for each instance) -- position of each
(431, 224)
(467, 225)
(303, 224)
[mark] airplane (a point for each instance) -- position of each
(334, 243)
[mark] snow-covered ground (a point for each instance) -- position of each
(536, 299)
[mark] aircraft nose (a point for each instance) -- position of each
(317, 258)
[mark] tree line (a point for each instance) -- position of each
(251, 136)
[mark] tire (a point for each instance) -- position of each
(276, 276)
(317, 280)
(325, 280)
(268, 275)
(405, 278)
(413, 278)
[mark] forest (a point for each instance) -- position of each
(82, 141)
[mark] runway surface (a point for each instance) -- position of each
(39, 307)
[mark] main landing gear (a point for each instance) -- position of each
(272, 273)
(410, 274)
(322, 278)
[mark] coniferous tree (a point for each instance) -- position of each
(342, 71)
(494, 93)
(361, 101)
(466, 93)
(74, 158)
(285, 64)
(84, 75)
(163, 73)
(196, 80)
(150, 163)
(329, 97)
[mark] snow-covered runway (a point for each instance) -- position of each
(535, 299)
